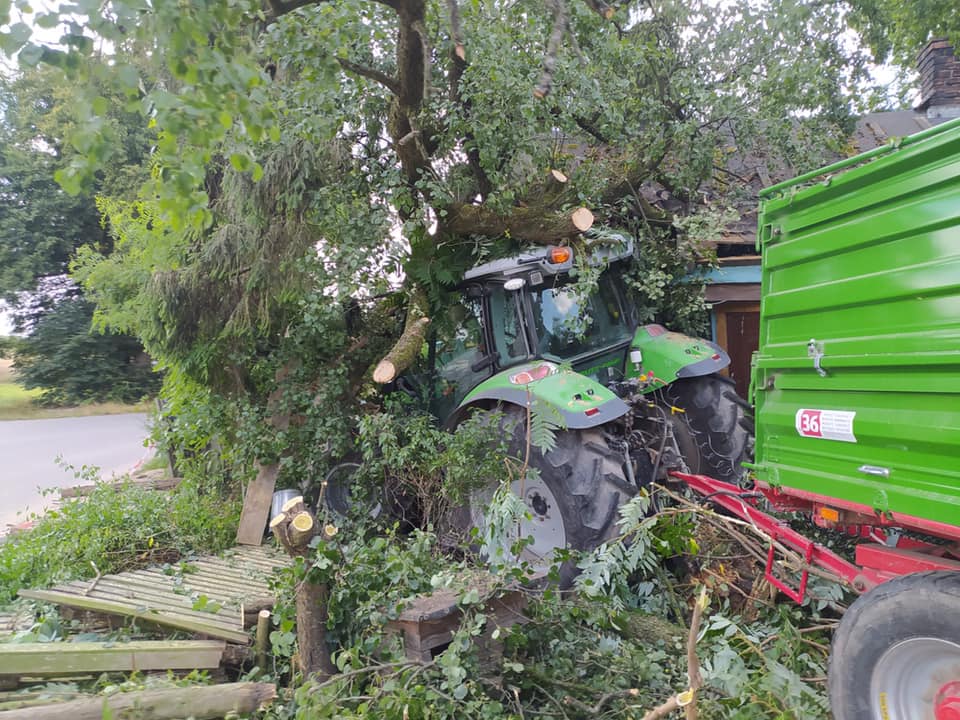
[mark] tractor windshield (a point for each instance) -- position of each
(568, 323)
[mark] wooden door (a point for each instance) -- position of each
(738, 332)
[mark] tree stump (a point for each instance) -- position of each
(295, 527)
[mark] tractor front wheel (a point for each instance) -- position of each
(572, 500)
(896, 654)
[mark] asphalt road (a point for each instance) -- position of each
(29, 450)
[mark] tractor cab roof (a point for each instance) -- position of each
(603, 247)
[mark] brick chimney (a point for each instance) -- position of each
(939, 81)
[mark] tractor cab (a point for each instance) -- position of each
(527, 307)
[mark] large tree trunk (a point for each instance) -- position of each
(202, 703)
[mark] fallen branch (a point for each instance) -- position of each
(407, 348)
(688, 698)
(202, 703)
(96, 580)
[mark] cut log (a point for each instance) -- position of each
(293, 506)
(405, 351)
(538, 221)
(201, 703)
(582, 219)
(558, 176)
(155, 481)
(301, 528)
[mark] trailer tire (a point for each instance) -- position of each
(575, 504)
(715, 430)
(896, 648)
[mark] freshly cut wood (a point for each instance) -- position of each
(582, 219)
(403, 353)
(558, 176)
(201, 703)
(53, 659)
(301, 528)
(293, 505)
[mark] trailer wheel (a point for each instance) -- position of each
(575, 501)
(715, 430)
(896, 654)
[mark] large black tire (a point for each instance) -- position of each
(583, 483)
(896, 648)
(715, 430)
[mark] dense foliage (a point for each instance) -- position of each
(898, 30)
(323, 172)
(73, 364)
(322, 169)
(42, 227)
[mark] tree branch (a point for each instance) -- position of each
(534, 224)
(456, 30)
(277, 8)
(553, 48)
(602, 9)
(391, 84)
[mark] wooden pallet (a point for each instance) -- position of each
(12, 621)
(211, 597)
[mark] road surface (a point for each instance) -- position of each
(29, 450)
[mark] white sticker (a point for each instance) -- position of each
(826, 424)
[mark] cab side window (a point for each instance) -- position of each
(459, 346)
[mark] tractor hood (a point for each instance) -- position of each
(578, 401)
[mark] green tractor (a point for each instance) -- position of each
(632, 401)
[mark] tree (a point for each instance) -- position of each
(899, 30)
(72, 365)
(312, 154)
(42, 227)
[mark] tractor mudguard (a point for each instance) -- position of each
(672, 356)
(578, 401)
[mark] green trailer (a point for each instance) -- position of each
(856, 387)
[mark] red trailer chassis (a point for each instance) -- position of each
(885, 555)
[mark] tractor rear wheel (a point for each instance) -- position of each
(714, 430)
(896, 654)
(574, 501)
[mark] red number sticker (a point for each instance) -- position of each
(809, 423)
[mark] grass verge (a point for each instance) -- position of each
(17, 403)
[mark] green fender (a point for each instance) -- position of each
(672, 356)
(578, 401)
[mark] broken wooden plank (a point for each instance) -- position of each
(53, 659)
(198, 702)
(256, 506)
(163, 618)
